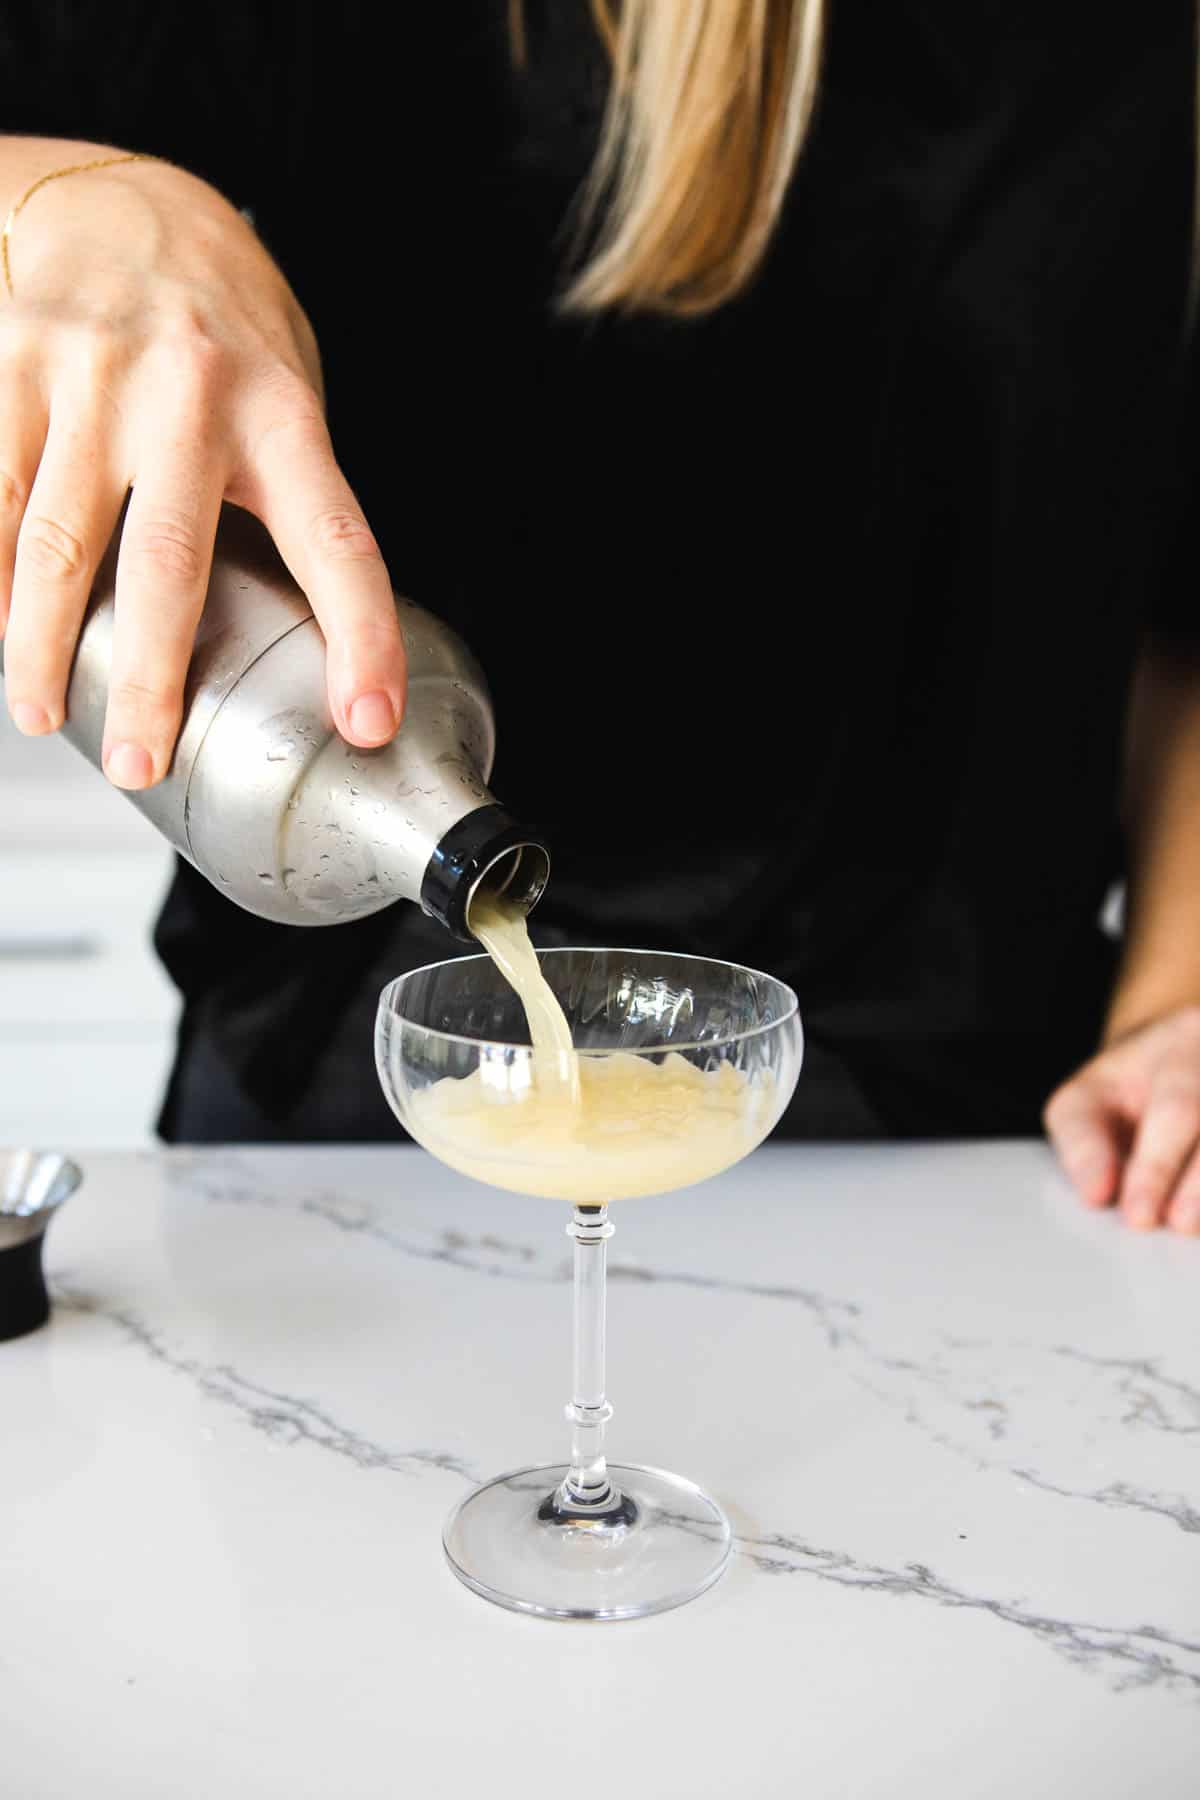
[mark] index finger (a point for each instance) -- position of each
(1085, 1132)
(308, 506)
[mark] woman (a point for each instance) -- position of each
(815, 491)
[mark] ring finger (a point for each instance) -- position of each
(68, 520)
(22, 439)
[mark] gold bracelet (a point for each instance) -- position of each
(103, 162)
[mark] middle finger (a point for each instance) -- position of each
(162, 578)
(1166, 1137)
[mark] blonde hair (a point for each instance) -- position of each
(707, 111)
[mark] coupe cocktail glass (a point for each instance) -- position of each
(589, 1539)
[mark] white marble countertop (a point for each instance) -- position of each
(954, 1417)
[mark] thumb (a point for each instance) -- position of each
(1085, 1130)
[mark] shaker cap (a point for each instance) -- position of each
(488, 840)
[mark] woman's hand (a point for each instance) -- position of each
(1127, 1125)
(154, 344)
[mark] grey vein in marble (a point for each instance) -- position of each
(1122, 1493)
(944, 1385)
(1151, 1394)
(1134, 1656)
(521, 1262)
(1152, 1400)
(231, 1188)
(284, 1418)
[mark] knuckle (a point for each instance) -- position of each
(51, 550)
(170, 548)
(97, 353)
(86, 351)
(19, 342)
(291, 392)
(1177, 1102)
(194, 358)
(1151, 1172)
(13, 494)
(379, 633)
(286, 409)
(1053, 1109)
(153, 704)
(340, 534)
(1063, 1102)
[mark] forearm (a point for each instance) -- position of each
(1160, 965)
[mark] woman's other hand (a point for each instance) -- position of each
(1127, 1126)
(153, 344)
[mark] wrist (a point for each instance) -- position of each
(93, 208)
(1147, 993)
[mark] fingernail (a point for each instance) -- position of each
(33, 720)
(1185, 1219)
(373, 717)
(1142, 1214)
(128, 766)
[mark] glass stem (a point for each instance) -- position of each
(587, 1484)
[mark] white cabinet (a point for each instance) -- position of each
(87, 1016)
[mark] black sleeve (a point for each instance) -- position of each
(215, 88)
(1172, 611)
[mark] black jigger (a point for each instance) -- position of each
(33, 1185)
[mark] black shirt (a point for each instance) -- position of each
(835, 593)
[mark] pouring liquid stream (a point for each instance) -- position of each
(502, 930)
(588, 1128)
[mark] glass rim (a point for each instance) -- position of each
(791, 1012)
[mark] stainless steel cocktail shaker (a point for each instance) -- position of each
(270, 803)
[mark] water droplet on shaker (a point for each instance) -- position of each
(282, 750)
(269, 879)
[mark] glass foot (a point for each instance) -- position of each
(511, 1543)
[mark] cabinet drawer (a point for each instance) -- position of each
(79, 1092)
(75, 941)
